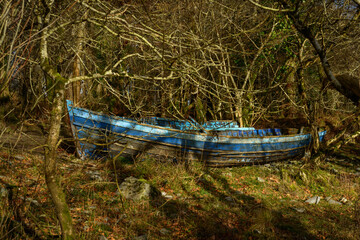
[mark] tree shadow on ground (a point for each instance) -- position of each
(226, 213)
(257, 219)
(232, 215)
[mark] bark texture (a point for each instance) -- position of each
(51, 176)
(307, 33)
(58, 83)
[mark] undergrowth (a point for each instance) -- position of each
(250, 202)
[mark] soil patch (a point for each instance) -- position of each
(24, 139)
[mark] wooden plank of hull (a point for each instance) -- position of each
(210, 143)
(93, 143)
(100, 135)
(223, 148)
(134, 148)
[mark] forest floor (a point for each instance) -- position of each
(250, 202)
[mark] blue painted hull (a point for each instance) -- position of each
(217, 143)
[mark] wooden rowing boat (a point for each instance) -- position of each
(216, 143)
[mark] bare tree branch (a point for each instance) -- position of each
(273, 9)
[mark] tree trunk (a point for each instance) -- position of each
(51, 176)
(307, 33)
(292, 66)
(58, 83)
(76, 86)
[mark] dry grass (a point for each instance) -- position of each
(227, 203)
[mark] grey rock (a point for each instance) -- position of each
(260, 179)
(19, 157)
(333, 202)
(164, 231)
(134, 189)
(165, 195)
(313, 200)
(299, 210)
(95, 172)
(343, 200)
(327, 199)
(93, 207)
(95, 175)
(86, 228)
(33, 201)
(3, 192)
(229, 174)
(230, 199)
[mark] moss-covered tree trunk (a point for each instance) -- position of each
(51, 176)
(58, 84)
